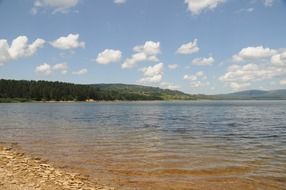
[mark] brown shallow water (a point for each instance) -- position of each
(157, 145)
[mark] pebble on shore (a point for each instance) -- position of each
(21, 172)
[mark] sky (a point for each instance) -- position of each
(196, 46)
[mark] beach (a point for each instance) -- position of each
(19, 171)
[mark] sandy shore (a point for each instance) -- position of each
(21, 172)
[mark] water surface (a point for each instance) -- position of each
(157, 145)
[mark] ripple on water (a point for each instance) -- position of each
(158, 145)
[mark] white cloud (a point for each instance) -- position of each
(146, 52)
(193, 77)
(152, 79)
(282, 82)
(153, 70)
(189, 48)
(199, 84)
(173, 66)
(203, 61)
(62, 6)
(19, 49)
(259, 64)
(70, 41)
(198, 6)
(62, 67)
(268, 3)
(246, 73)
(190, 77)
(238, 86)
(149, 48)
(200, 74)
(279, 59)
(109, 56)
(197, 80)
(80, 72)
(152, 74)
(119, 1)
(48, 69)
(132, 61)
(44, 69)
(251, 53)
(167, 85)
(4, 52)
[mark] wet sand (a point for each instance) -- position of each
(21, 172)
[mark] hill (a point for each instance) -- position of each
(139, 92)
(21, 91)
(254, 95)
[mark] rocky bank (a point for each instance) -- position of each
(21, 172)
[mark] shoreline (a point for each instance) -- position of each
(99, 101)
(19, 171)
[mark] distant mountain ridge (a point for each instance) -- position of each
(254, 95)
(23, 91)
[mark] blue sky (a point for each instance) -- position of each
(206, 46)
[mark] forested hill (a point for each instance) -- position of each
(254, 95)
(128, 91)
(15, 91)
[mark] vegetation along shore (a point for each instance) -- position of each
(27, 91)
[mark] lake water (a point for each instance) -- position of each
(157, 145)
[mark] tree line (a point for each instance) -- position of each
(22, 90)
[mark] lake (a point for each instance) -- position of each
(157, 145)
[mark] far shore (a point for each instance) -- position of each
(19, 171)
(91, 101)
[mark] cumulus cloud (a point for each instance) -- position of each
(19, 49)
(268, 3)
(283, 82)
(44, 69)
(279, 59)
(61, 67)
(133, 60)
(149, 48)
(197, 80)
(80, 72)
(62, 6)
(119, 1)
(70, 41)
(146, 52)
(152, 74)
(252, 53)
(168, 85)
(198, 6)
(173, 66)
(203, 61)
(242, 76)
(189, 48)
(109, 56)
(248, 72)
(153, 70)
(199, 84)
(193, 77)
(4, 52)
